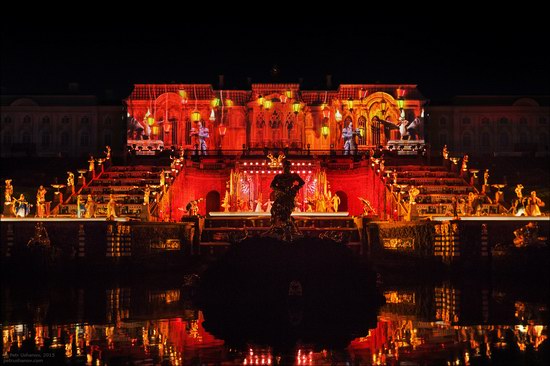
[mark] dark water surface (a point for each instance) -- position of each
(156, 319)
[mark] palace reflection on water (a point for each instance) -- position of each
(438, 323)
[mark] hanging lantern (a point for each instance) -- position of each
(212, 115)
(222, 130)
(338, 115)
(401, 103)
(296, 106)
(228, 103)
(288, 93)
(195, 116)
(215, 102)
(350, 103)
(151, 121)
(324, 130)
(261, 100)
(268, 104)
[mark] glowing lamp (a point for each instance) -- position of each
(212, 115)
(222, 130)
(402, 115)
(350, 103)
(326, 113)
(383, 105)
(261, 100)
(195, 116)
(151, 121)
(422, 113)
(361, 130)
(296, 107)
(228, 103)
(400, 103)
(288, 93)
(324, 131)
(268, 104)
(215, 102)
(338, 116)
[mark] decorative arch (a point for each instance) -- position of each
(343, 201)
(212, 201)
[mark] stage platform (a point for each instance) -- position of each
(268, 214)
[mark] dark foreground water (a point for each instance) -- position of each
(152, 320)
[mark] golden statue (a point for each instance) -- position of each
(91, 166)
(486, 177)
(276, 162)
(111, 208)
(41, 202)
(70, 182)
(445, 152)
(413, 192)
(533, 205)
(335, 202)
(226, 204)
(146, 195)
(465, 163)
(518, 191)
(90, 207)
(162, 178)
(8, 192)
(108, 152)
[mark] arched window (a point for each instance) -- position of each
(362, 123)
(45, 120)
(27, 119)
(466, 140)
(45, 139)
(485, 139)
(66, 119)
(543, 138)
(504, 140)
(64, 139)
(503, 121)
(84, 139)
(26, 138)
(485, 121)
(7, 138)
(523, 138)
(466, 121)
(85, 120)
(523, 121)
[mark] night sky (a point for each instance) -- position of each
(486, 55)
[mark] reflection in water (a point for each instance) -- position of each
(157, 322)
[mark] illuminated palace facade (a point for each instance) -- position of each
(270, 115)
